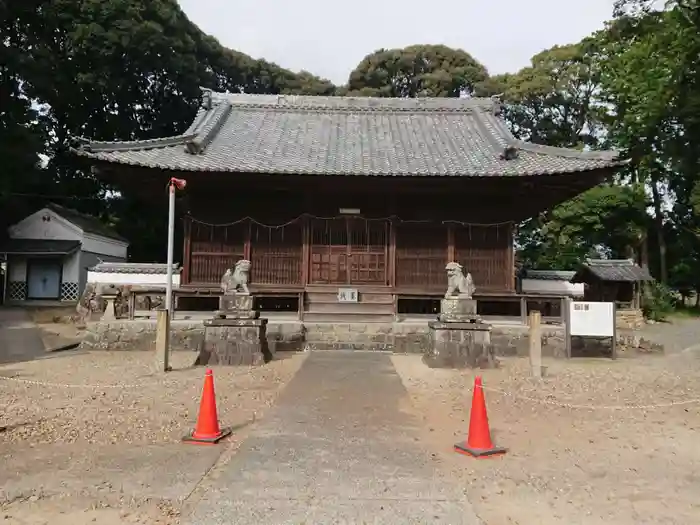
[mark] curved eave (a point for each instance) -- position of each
(112, 158)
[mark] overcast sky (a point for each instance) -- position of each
(329, 38)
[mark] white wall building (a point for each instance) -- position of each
(49, 252)
(550, 282)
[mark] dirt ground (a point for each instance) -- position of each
(115, 401)
(566, 465)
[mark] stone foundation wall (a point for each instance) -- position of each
(185, 336)
(409, 338)
(629, 319)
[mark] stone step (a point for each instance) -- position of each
(329, 346)
(346, 317)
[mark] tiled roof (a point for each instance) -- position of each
(318, 135)
(548, 275)
(87, 223)
(142, 268)
(612, 270)
(38, 247)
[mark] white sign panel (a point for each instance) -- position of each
(347, 295)
(592, 319)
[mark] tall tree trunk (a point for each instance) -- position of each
(659, 222)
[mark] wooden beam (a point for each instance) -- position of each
(187, 251)
(305, 252)
(246, 240)
(391, 263)
(450, 242)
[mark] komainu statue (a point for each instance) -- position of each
(457, 282)
(236, 280)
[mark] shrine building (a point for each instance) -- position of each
(370, 197)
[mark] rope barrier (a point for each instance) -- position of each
(590, 407)
(310, 216)
(93, 387)
(488, 389)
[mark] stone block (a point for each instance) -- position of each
(457, 309)
(239, 305)
(235, 342)
(460, 345)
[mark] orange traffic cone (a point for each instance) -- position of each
(479, 442)
(207, 431)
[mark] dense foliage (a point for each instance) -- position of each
(132, 69)
(123, 69)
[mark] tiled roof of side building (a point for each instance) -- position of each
(85, 222)
(613, 270)
(317, 135)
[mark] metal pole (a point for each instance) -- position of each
(5, 279)
(171, 241)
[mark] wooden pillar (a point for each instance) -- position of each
(523, 309)
(451, 251)
(391, 263)
(510, 260)
(187, 251)
(246, 240)
(163, 340)
(535, 345)
(305, 250)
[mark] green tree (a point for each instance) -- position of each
(416, 71)
(651, 80)
(124, 69)
(607, 220)
(21, 132)
(555, 100)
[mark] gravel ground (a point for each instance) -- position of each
(101, 399)
(572, 466)
(45, 401)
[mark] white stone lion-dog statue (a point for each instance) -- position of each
(236, 280)
(457, 282)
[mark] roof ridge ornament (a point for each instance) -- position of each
(497, 103)
(207, 96)
(509, 153)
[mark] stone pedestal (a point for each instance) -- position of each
(459, 309)
(459, 339)
(238, 306)
(235, 342)
(110, 313)
(460, 345)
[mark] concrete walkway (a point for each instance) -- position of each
(335, 449)
(20, 339)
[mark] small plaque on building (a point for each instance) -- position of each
(347, 295)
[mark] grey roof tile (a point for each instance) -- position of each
(317, 135)
(131, 268)
(38, 247)
(612, 270)
(85, 222)
(548, 275)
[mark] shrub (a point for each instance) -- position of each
(658, 302)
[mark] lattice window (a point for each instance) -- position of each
(69, 291)
(214, 249)
(276, 254)
(421, 255)
(17, 290)
(485, 252)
